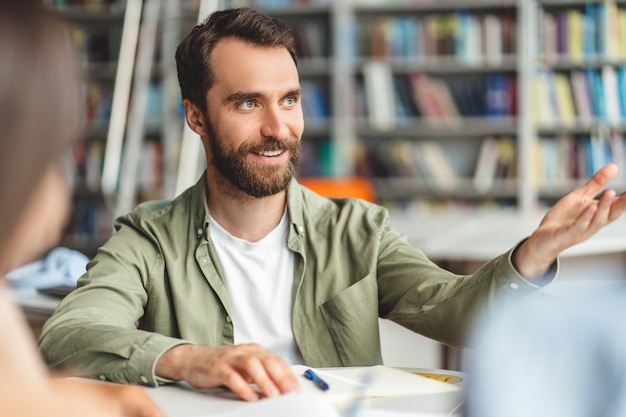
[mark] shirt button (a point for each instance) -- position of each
(204, 261)
(514, 286)
(300, 229)
(144, 379)
(228, 319)
(199, 232)
(102, 377)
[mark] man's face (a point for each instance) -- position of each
(254, 117)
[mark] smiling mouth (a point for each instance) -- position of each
(270, 153)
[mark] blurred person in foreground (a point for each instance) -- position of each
(39, 118)
(248, 271)
(551, 356)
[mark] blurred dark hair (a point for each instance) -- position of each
(40, 102)
(193, 55)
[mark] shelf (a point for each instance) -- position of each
(401, 187)
(560, 62)
(579, 128)
(457, 127)
(369, 7)
(93, 14)
(444, 64)
(308, 11)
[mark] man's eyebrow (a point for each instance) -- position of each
(294, 92)
(241, 96)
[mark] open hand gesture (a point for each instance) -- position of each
(573, 219)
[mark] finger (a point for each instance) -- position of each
(255, 371)
(603, 212)
(618, 207)
(237, 384)
(579, 228)
(282, 375)
(599, 180)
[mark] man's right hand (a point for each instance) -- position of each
(235, 367)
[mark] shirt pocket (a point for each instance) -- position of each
(351, 317)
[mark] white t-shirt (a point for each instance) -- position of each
(259, 281)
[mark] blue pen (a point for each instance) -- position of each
(309, 374)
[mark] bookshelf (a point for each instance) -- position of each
(580, 79)
(456, 104)
(448, 89)
(445, 106)
(96, 30)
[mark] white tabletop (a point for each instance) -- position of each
(36, 306)
(180, 400)
(480, 235)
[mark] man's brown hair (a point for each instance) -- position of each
(193, 55)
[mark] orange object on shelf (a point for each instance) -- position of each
(358, 187)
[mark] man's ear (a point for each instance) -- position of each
(195, 118)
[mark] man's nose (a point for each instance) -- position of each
(275, 123)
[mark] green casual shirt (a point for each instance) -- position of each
(157, 283)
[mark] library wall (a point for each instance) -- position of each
(442, 105)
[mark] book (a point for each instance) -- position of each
(486, 165)
(468, 38)
(611, 94)
(549, 162)
(549, 38)
(610, 29)
(438, 165)
(565, 165)
(378, 381)
(575, 31)
(590, 30)
(314, 102)
(621, 23)
(507, 151)
(425, 97)
(498, 95)
(582, 98)
(564, 100)
(560, 18)
(621, 86)
(544, 108)
(379, 91)
(596, 92)
(445, 97)
(492, 39)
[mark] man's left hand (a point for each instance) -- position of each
(573, 219)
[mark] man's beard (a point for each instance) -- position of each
(255, 179)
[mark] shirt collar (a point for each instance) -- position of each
(200, 209)
(295, 207)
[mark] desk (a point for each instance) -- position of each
(36, 307)
(182, 401)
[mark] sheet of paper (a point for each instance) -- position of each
(369, 382)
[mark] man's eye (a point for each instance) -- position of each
(290, 101)
(246, 105)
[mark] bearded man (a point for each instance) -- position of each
(248, 272)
